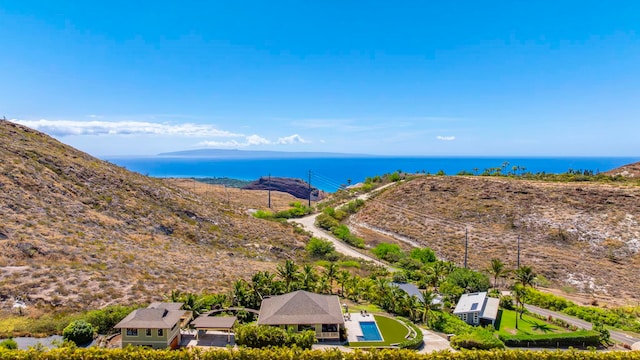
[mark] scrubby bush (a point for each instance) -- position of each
(425, 255)
(79, 331)
(9, 344)
(318, 247)
(326, 222)
(388, 252)
(103, 320)
(506, 302)
(259, 336)
(448, 323)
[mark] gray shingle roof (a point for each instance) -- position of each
(300, 308)
(158, 317)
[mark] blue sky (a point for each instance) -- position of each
(512, 78)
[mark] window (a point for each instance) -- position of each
(329, 328)
(464, 317)
(160, 332)
(475, 318)
(148, 332)
(132, 332)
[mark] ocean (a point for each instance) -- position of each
(329, 174)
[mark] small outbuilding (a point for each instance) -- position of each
(477, 309)
(207, 321)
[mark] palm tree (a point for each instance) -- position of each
(497, 269)
(175, 296)
(194, 304)
(289, 273)
(426, 304)
(330, 273)
(525, 276)
(519, 293)
(343, 278)
(308, 277)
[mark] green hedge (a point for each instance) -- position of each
(582, 338)
(284, 353)
(480, 339)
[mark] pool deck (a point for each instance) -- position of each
(352, 324)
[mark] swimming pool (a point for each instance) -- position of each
(370, 331)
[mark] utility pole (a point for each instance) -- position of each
(518, 259)
(269, 190)
(466, 246)
(309, 187)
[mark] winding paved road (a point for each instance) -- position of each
(309, 224)
(615, 335)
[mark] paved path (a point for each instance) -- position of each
(309, 224)
(434, 342)
(615, 335)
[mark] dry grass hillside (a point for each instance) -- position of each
(580, 236)
(629, 170)
(79, 232)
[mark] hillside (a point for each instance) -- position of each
(629, 170)
(296, 187)
(79, 232)
(581, 236)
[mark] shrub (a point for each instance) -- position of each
(79, 331)
(9, 344)
(506, 302)
(389, 252)
(479, 338)
(319, 247)
(581, 338)
(103, 320)
(326, 222)
(425, 255)
(448, 323)
(259, 336)
(263, 214)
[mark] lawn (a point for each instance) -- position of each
(392, 331)
(526, 325)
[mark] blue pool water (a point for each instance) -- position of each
(370, 331)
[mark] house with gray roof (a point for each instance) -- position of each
(156, 326)
(477, 309)
(303, 310)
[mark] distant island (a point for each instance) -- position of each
(249, 154)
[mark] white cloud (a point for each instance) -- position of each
(293, 139)
(253, 140)
(445, 138)
(71, 127)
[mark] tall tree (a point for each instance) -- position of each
(525, 276)
(426, 304)
(288, 272)
(343, 278)
(497, 269)
(330, 273)
(308, 277)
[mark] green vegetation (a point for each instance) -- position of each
(527, 325)
(392, 331)
(625, 318)
(388, 252)
(290, 353)
(581, 338)
(9, 344)
(258, 336)
(480, 339)
(80, 332)
(297, 210)
(320, 248)
(341, 231)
